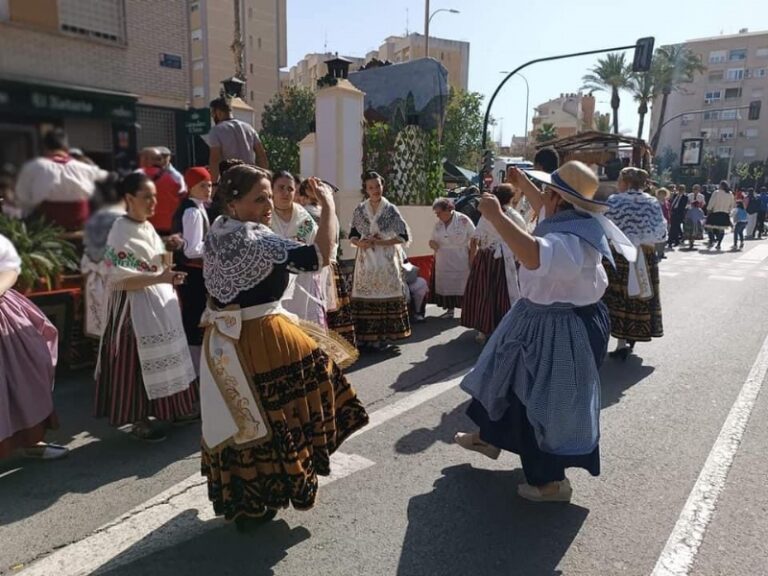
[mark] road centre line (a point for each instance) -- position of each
(161, 522)
(683, 544)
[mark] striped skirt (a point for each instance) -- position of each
(341, 320)
(632, 318)
(381, 320)
(120, 392)
(311, 409)
(486, 297)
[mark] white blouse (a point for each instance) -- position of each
(570, 271)
(9, 258)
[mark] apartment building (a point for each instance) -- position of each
(569, 114)
(736, 75)
(452, 54)
(263, 37)
(113, 73)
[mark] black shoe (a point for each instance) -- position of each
(246, 524)
(146, 432)
(621, 354)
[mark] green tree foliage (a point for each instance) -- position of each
(546, 133)
(610, 73)
(463, 129)
(285, 121)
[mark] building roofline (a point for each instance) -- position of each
(728, 36)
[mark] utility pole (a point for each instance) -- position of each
(426, 28)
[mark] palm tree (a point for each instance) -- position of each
(643, 88)
(673, 66)
(546, 133)
(603, 122)
(610, 73)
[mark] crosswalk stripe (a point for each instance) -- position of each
(731, 278)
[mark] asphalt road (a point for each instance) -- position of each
(406, 500)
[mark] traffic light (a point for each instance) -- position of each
(488, 162)
(754, 110)
(643, 54)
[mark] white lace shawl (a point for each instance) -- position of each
(239, 255)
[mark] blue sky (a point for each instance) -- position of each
(504, 34)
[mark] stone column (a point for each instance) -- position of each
(338, 148)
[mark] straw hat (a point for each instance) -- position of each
(575, 182)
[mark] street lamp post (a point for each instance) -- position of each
(527, 98)
(427, 19)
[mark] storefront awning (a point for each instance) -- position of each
(42, 99)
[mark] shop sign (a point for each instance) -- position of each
(197, 121)
(170, 61)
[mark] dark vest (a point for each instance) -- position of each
(177, 227)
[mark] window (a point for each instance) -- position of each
(197, 35)
(251, 95)
(259, 43)
(442, 56)
(730, 115)
(708, 133)
(712, 96)
(731, 93)
(97, 19)
(734, 74)
(194, 6)
(727, 133)
(759, 72)
(198, 92)
(198, 65)
(739, 54)
(250, 67)
(717, 56)
(751, 133)
(716, 76)
(250, 41)
(762, 53)
(715, 115)
(750, 152)
(724, 151)
(757, 93)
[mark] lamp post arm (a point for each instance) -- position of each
(536, 61)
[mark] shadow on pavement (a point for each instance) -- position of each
(107, 455)
(473, 522)
(220, 551)
(616, 377)
(422, 439)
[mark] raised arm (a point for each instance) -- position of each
(520, 180)
(326, 228)
(523, 244)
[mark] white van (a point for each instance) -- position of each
(504, 162)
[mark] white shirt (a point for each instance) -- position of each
(570, 271)
(693, 197)
(43, 179)
(721, 201)
(193, 223)
(9, 258)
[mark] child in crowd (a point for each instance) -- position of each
(739, 217)
(191, 221)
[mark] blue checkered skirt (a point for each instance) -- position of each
(547, 358)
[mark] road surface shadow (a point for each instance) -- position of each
(31, 486)
(616, 377)
(421, 439)
(218, 550)
(473, 522)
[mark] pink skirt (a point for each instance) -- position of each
(28, 353)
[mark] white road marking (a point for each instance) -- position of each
(755, 255)
(731, 278)
(668, 274)
(683, 544)
(161, 521)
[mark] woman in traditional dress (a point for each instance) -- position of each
(492, 284)
(719, 209)
(144, 367)
(338, 303)
(275, 405)
(633, 297)
(190, 222)
(305, 295)
(92, 263)
(536, 388)
(378, 302)
(450, 240)
(28, 352)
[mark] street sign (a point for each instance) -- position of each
(170, 61)
(643, 54)
(197, 121)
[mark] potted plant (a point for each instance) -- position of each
(44, 254)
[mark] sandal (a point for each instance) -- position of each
(46, 451)
(471, 441)
(245, 523)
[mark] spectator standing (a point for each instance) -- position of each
(231, 138)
